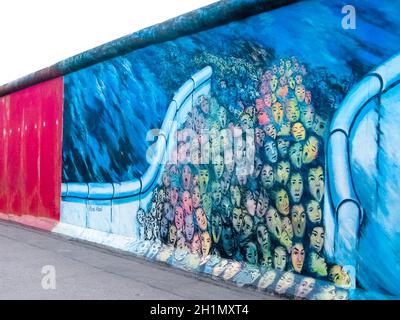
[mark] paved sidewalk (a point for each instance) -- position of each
(84, 271)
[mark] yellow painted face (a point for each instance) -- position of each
(298, 131)
(277, 112)
(292, 110)
(310, 149)
(282, 202)
(283, 172)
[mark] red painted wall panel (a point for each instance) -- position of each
(30, 160)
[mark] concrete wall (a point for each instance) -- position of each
(230, 142)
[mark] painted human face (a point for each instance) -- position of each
(266, 280)
(250, 203)
(300, 93)
(189, 227)
(314, 212)
(292, 110)
(196, 244)
(173, 196)
(283, 146)
(298, 220)
(270, 130)
(287, 227)
(228, 241)
(216, 227)
(318, 265)
(273, 83)
(277, 112)
(267, 176)
(310, 150)
(319, 125)
(316, 182)
(282, 202)
(231, 270)
(280, 258)
(282, 172)
(327, 292)
(271, 152)
(203, 180)
(206, 202)
(307, 117)
(296, 187)
(187, 202)
(218, 166)
(262, 204)
(172, 234)
(263, 237)
(179, 222)
(216, 192)
(251, 254)
(168, 212)
(260, 135)
(196, 197)
(298, 131)
(295, 154)
(204, 104)
(305, 287)
(297, 256)
(317, 239)
(201, 219)
(235, 195)
(219, 268)
(205, 243)
(285, 282)
(258, 165)
(237, 219)
(226, 209)
(247, 227)
(339, 276)
(274, 223)
(166, 179)
(186, 177)
(164, 228)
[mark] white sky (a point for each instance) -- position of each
(36, 34)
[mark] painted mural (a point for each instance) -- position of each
(242, 195)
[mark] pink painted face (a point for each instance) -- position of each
(259, 105)
(268, 100)
(187, 202)
(174, 196)
(308, 98)
(186, 177)
(179, 218)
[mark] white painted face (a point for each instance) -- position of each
(266, 280)
(285, 282)
(305, 287)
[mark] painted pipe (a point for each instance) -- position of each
(125, 189)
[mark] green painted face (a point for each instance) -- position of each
(280, 258)
(296, 187)
(237, 219)
(316, 182)
(282, 202)
(283, 172)
(292, 110)
(318, 265)
(320, 125)
(203, 180)
(298, 220)
(274, 223)
(317, 239)
(247, 227)
(295, 154)
(251, 255)
(263, 237)
(339, 276)
(216, 192)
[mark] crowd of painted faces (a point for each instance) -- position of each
(220, 217)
